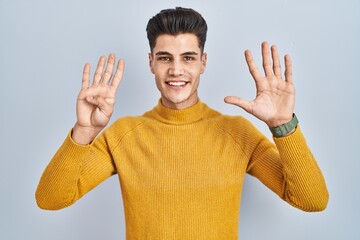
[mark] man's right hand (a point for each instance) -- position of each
(95, 103)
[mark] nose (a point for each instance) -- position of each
(176, 68)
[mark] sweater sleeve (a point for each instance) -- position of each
(290, 170)
(73, 171)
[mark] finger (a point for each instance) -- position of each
(254, 71)
(118, 74)
(109, 69)
(266, 59)
(99, 70)
(246, 105)
(288, 69)
(86, 77)
(276, 61)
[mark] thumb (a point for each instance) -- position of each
(102, 105)
(246, 105)
(97, 101)
(92, 100)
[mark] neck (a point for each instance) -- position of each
(178, 117)
(189, 102)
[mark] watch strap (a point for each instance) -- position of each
(285, 128)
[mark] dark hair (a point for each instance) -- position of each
(175, 21)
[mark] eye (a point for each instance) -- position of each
(187, 58)
(165, 59)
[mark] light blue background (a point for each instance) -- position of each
(44, 45)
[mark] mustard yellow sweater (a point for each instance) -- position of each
(182, 171)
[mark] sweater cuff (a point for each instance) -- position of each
(296, 135)
(70, 148)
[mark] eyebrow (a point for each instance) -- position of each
(185, 53)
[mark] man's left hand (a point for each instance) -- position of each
(275, 97)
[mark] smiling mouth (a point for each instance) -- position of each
(176, 84)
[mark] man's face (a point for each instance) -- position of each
(177, 63)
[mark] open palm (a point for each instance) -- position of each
(275, 98)
(95, 102)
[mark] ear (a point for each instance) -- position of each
(151, 62)
(203, 62)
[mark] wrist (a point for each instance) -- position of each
(83, 135)
(277, 123)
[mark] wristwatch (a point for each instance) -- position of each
(285, 128)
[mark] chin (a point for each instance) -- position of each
(177, 100)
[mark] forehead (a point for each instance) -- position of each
(177, 44)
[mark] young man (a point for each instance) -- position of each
(182, 165)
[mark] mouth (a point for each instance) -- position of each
(177, 83)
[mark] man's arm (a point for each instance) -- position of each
(288, 168)
(82, 162)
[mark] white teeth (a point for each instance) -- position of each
(177, 83)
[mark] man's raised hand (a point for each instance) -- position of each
(95, 102)
(275, 98)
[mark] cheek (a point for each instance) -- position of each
(158, 71)
(160, 76)
(197, 70)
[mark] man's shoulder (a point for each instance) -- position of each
(124, 125)
(235, 125)
(129, 120)
(227, 122)
(231, 121)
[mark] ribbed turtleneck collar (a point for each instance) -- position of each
(178, 117)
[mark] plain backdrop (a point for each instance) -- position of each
(44, 45)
